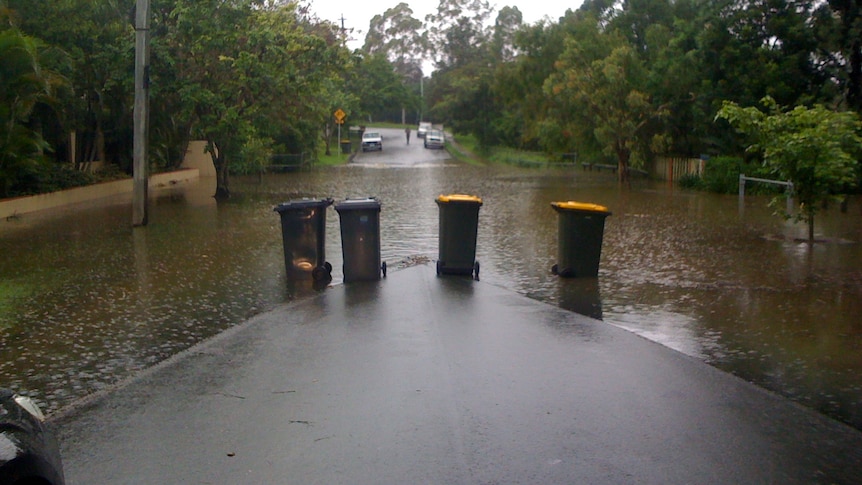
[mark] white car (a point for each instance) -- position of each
(435, 139)
(371, 140)
(424, 127)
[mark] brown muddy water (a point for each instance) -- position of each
(86, 301)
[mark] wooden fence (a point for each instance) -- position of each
(672, 168)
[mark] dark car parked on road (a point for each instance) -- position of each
(29, 454)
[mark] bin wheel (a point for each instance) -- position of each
(328, 267)
(439, 268)
(383, 268)
(555, 269)
(321, 273)
(476, 270)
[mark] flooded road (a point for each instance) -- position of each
(87, 301)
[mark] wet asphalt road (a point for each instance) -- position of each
(398, 153)
(426, 379)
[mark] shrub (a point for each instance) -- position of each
(721, 175)
(48, 177)
(690, 181)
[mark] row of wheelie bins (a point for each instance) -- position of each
(303, 230)
(303, 222)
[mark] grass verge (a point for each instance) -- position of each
(467, 150)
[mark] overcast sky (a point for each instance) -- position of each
(358, 13)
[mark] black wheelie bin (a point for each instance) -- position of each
(360, 239)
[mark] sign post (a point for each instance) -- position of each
(339, 120)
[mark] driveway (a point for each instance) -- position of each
(397, 153)
(426, 379)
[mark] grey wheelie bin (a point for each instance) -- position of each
(459, 224)
(580, 232)
(360, 239)
(303, 230)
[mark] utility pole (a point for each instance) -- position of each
(343, 32)
(140, 141)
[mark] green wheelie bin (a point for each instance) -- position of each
(459, 225)
(579, 238)
(303, 231)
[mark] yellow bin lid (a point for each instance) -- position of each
(579, 206)
(459, 198)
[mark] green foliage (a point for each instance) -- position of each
(397, 35)
(10, 291)
(721, 175)
(383, 92)
(690, 181)
(612, 80)
(814, 148)
(252, 72)
(599, 90)
(24, 86)
(46, 176)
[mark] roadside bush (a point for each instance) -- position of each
(48, 177)
(690, 181)
(721, 175)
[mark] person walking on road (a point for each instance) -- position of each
(407, 132)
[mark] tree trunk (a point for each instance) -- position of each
(219, 158)
(810, 228)
(222, 190)
(854, 85)
(623, 156)
(100, 144)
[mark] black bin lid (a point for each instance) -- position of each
(369, 203)
(297, 204)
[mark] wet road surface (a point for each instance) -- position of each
(398, 153)
(422, 379)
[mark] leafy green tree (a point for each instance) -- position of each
(400, 38)
(837, 25)
(758, 48)
(637, 18)
(814, 148)
(383, 90)
(671, 59)
(251, 71)
(518, 84)
(24, 84)
(98, 37)
(599, 94)
(457, 33)
(503, 37)
(398, 35)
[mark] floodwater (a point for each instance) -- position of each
(86, 301)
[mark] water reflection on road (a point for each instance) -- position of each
(85, 301)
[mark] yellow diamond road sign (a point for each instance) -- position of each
(339, 115)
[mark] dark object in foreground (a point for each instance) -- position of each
(459, 226)
(360, 239)
(28, 452)
(303, 229)
(579, 237)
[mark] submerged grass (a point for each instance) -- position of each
(467, 150)
(9, 292)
